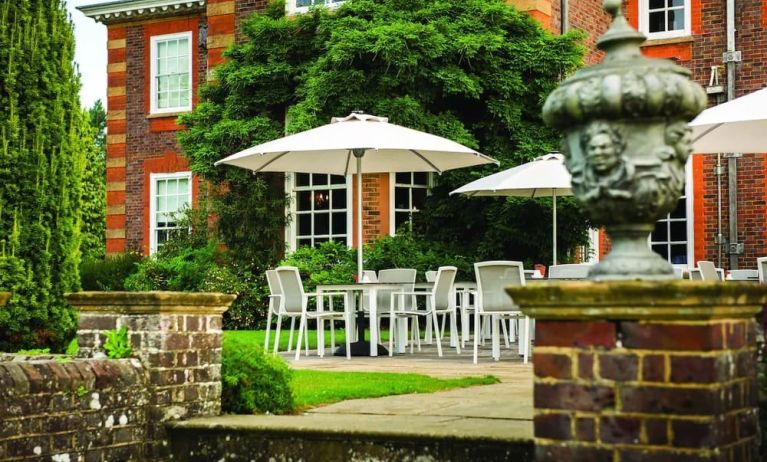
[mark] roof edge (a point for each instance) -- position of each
(126, 10)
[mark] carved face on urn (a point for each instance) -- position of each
(601, 153)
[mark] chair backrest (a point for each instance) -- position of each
(744, 275)
(679, 272)
(492, 279)
(761, 266)
(404, 276)
(695, 274)
(274, 282)
(431, 276)
(443, 287)
(369, 276)
(292, 288)
(708, 271)
(569, 271)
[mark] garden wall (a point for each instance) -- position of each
(63, 409)
(69, 410)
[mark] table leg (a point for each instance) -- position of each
(402, 337)
(320, 326)
(373, 302)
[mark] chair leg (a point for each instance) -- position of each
(496, 342)
(347, 333)
(320, 337)
(332, 322)
(290, 339)
(427, 331)
(476, 334)
(277, 333)
(513, 330)
(527, 339)
(391, 334)
(268, 325)
(454, 332)
(301, 331)
(436, 333)
(417, 333)
(505, 332)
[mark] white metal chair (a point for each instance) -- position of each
(297, 301)
(431, 276)
(708, 271)
(695, 274)
(369, 276)
(276, 308)
(403, 276)
(744, 275)
(492, 301)
(439, 300)
(569, 271)
(761, 267)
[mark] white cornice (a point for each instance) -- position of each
(126, 10)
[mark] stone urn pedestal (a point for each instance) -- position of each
(645, 370)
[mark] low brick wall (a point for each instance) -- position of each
(70, 410)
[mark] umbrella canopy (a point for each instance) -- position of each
(739, 125)
(546, 176)
(358, 143)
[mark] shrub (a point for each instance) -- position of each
(183, 269)
(328, 263)
(117, 344)
(404, 251)
(252, 381)
(109, 273)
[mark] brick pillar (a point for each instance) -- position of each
(176, 335)
(540, 10)
(115, 149)
(645, 371)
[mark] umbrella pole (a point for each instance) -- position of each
(359, 218)
(554, 227)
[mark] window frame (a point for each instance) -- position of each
(153, 179)
(644, 22)
(392, 196)
(153, 96)
(291, 7)
(291, 228)
(689, 218)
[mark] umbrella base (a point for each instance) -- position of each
(360, 349)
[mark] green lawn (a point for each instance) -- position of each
(312, 388)
(258, 336)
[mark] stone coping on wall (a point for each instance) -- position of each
(150, 302)
(4, 296)
(641, 300)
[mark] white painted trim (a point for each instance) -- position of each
(291, 8)
(644, 11)
(690, 205)
(129, 8)
(153, 177)
(153, 109)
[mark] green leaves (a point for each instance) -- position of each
(117, 345)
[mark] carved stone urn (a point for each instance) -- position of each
(626, 141)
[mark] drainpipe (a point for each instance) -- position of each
(720, 242)
(731, 57)
(565, 16)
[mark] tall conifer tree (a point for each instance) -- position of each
(43, 135)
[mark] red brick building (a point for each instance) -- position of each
(160, 51)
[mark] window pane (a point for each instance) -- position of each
(172, 48)
(660, 234)
(681, 209)
(304, 200)
(419, 198)
(339, 199)
(304, 242)
(676, 19)
(421, 178)
(161, 187)
(321, 224)
(678, 231)
(337, 179)
(402, 198)
(676, 3)
(302, 179)
(339, 223)
(662, 250)
(183, 186)
(172, 186)
(342, 240)
(304, 225)
(655, 4)
(657, 21)
(400, 218)
(319, 179)
(678, 254)
(320, 240)
(162, 236)
(322, 199)
(162, 203)
(403, 178)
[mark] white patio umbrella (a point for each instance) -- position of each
(546, 176)
(372, 142)
(739, 125)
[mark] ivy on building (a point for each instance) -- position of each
(43, 139)
(475, 71)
